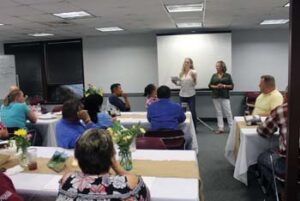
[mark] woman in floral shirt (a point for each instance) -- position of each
(95, 153)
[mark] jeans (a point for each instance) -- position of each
(191, 101)
(265, 167)
(223, 103)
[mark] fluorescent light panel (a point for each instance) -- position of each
(277, 21)
(1, 24)
(287, 5)
(71, 15)
(41, 34)
(108, 29)
(189, 25)
(185, 8)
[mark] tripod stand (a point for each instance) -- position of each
(205, 124)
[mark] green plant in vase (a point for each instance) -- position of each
(124, 137)
(22, 141)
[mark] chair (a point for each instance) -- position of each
(281, 178)
(250, 98)
(173, 139)
(57, 108)
(149, 143)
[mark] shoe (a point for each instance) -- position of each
(218, 131)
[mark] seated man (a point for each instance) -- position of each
(165, 114)
(7, 189)
(269, 98)
(116, 92)
(69, 128)
(277, 119)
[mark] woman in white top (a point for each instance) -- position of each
(188, 81)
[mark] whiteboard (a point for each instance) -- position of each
(204, 49)
(7, 74)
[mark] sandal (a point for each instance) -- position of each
(219, 131)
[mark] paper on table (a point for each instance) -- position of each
(14, 170)
(53, 183)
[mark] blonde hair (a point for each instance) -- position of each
(11, 96)
(191, 66)
(223, 65)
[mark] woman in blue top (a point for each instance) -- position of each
(15, 112)
(92, 104)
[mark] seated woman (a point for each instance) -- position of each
(74, 122)
(95, 153)
(15, 112)
(92, 104)
(150, 94)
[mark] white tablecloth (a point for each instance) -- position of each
(46, 127)
(251, 145)
(187, 127)
(161, 189)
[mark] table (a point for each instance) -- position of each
(174, 189)
(250, 146)
(46, 127)
(188, 128)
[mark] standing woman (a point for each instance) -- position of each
(220, 84)
(188, 81)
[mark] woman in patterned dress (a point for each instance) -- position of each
(95, 153)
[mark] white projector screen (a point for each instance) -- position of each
(204, 49)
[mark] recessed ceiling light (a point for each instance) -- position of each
(1, 24)
(277, 21)
(71, 15)
(189, 25)
(287, 5)
(107, 29)
(41, 34)
(185, 8)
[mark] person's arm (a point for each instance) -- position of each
(127, 104)
(3, 132)
(85, 117)
(211, 84)
(229, 85)
(182, 116)
(276, 101)
(269, 126)
(30, 114)
(194, 76)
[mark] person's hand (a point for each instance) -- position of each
(125, 95)
(219, 86)
(84, 116)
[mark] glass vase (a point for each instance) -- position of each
(23, 157)
(125, 158)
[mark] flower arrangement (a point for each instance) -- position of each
(93, 90)
(22, 139)
(124, 137)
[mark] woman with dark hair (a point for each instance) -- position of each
(220, 84)
(95, 154)
(92, 104)
(150, 94)
(15, 112)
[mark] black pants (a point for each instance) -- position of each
(191, 101)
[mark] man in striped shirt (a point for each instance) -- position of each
(277, 119)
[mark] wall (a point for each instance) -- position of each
(129, 60)
(1, 48)
(259, 52)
